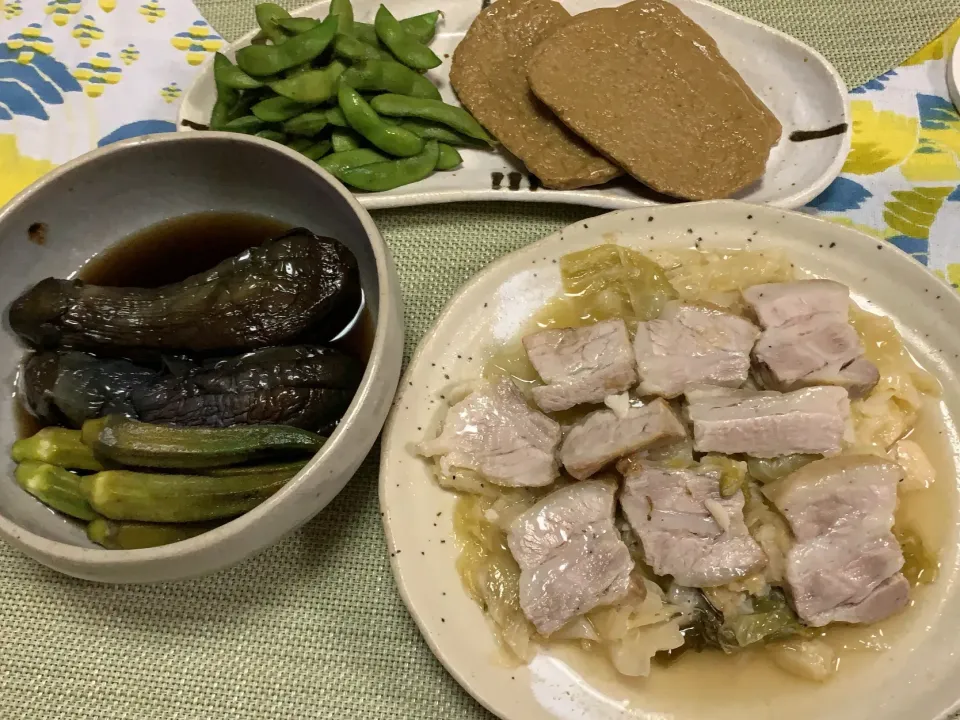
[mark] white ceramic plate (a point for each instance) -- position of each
(802, 89)
(915, 679)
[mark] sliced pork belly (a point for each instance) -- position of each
(807, 338)
(813, 420)
(495, 433)
(692, 344)
(581, 365)
(687, 529)
(845, 565)
(570, 554)
(603, 436)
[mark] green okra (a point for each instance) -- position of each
(56, 446)
(55, 487)
(118, 535)
(135, 444)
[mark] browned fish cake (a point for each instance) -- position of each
(489, 74)
(649, 88)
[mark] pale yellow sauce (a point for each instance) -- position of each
(722, 685)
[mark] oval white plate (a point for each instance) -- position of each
(915, 679)
(801, 88)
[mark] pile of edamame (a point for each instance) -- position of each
(346, 94)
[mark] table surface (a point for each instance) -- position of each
(314, 627)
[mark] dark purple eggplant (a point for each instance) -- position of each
(296, 288)
(67, 388)
(303, 386)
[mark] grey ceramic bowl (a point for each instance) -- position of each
(95, 201)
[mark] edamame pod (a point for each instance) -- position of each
(433, 110)
(349, 47)
(161, 498)
(343, 11)
(274, 135)
(299, 144)
(115, 535)
(404, 46)
(422, 27)
(308, 124)
(136, 444)
(312, 87)
(278, 109)
(367, 33)
(248, 125)
(317, 150)
(268, 14)
(299, 25)
(55, 487)
(391, 174)
(343, 140)
(226, 74)
(227, 97)
(335, 117)
(448, 158)
(391, 139)
(339, 161)
(440, 133)
(56, 446)
(389, 76)
(263, 60)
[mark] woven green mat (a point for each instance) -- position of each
(314, 628)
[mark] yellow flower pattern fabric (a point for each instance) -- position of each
(901, 180)
(77, 74)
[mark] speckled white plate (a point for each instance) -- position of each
(802, 89)
(914, 679)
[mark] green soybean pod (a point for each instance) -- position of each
(227, 97)
(339, 161)
(390, 76)
(391, 174)
(367, 33)
(248, 125)
(312, 87)
(335, 117)
(278, 109)
(263, 60)
(268, 14)
(354, 50)
(299, 144)
(440, 133)
(448, 158)
(317, 150)
(298, 25)
(389, 138)
(306, 124)
(343, 11)
(343, 140)
(433, 110)
(422, 27)
(226, 74)
(274, 135)
(405, 48)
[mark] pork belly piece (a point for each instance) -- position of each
(570, 554)
(813, 420)
(690, 344)
(845, 565)
(581, 365)
(807, 338)
(686, 528)
(603, 436)
(495, 433)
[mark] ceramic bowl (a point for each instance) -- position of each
(95, 201)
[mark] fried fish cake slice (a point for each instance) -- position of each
(648, 88)
(489, 75)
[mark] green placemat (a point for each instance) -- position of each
(314, 628)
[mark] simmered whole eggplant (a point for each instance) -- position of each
(304, 386)
(70, 387)
(283, 291)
